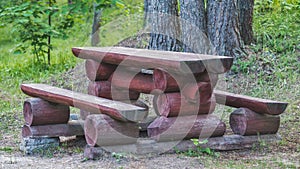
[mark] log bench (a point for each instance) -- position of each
(184, 102)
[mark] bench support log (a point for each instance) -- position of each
(186, 127)
(246, 122)
(41, 112)
(73, 128)
(102, 130)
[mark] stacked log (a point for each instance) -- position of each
(102, 130)
(43, 118)
(181, 95)
(186, 127)
(183, 104)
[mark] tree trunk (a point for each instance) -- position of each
(193, 26)
(245, 11)
(223, 26)
(165, 33)
(96, 26)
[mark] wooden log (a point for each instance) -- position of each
(186, 127)
(257, 105)
(102, 130)
(143, 58)
(174, 104)
(73, 128)
(115, 109)
(134, 81)
(165, 82)
(105, 90)
(139, 103)
(150, 147)
(98, 71)
(37, 111)
(199, 92)
(246, 122)
(84, 114)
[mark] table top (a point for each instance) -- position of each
(151, 59)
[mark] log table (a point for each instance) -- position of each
(184, 101)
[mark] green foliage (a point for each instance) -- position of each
(200, 150)
(34, 22)
(29, 20)
(118, 156)
(273, 58)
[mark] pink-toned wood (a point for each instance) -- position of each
(73, 128)
(258, 105)
(115, 109)
(98, 71)
(139, 103)
(37, 111)
(101, 130)
(246, 122)
(143, 58)
(174, 104)
(104, 89)
(130, 80)
(186, 127)
(199, 92)
(166, 82)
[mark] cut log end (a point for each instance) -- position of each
(37, 111)
(27, 112)
(26, 131)
(163, 106)
(90, 127)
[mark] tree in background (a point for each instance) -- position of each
(211, 26)
(164, 25)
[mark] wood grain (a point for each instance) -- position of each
(143, 58)
(115, 109)
(263, 106)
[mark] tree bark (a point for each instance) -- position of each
(193, 26)
(245, 11)
(96, 26)
(165, 33)
(223, 26)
